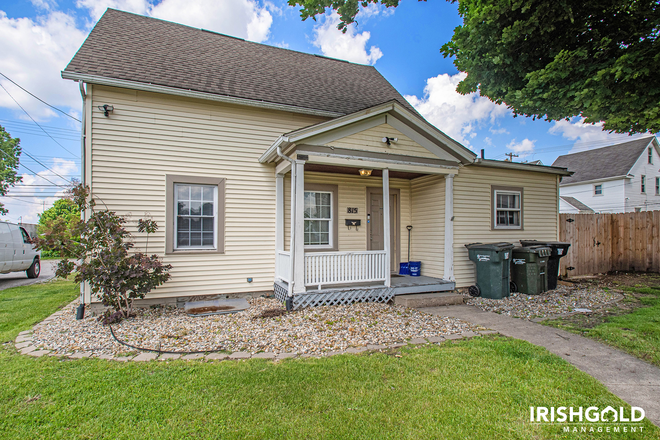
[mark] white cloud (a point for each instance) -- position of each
(498, 130)
(455, 114)
(588, 136)
(33, 54)
(522, 148)
(28, 201)
(239, 18)
(350, 46)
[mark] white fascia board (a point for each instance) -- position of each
(135, 85)
(607, 179)
(354, 162)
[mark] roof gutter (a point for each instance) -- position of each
(135, 85)
(522, 167)
(602, 179)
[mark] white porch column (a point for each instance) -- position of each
(386, 225)
(448, 273)
(299, 241)
(279, 217)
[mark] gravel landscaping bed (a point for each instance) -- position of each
(561, 301)
(316, 330)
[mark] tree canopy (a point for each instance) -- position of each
(553, 59)
(10, 152)
(63, 213)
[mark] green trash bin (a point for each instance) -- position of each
(493, 262)
(529, 269)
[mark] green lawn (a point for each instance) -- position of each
(481, 388)
(632, 326)
(22, 307)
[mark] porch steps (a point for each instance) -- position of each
(429, 299)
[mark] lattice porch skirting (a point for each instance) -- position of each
(335, 297)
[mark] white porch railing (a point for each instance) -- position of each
(283, 265)
(322, 268)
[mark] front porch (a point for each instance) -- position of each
(373, 177)
(347, 293)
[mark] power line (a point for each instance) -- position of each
(37, 161)
(66, 149)
(36, 174)
(36, 97)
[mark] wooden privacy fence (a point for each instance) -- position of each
(610, 242)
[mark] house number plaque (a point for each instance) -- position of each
(351, 210)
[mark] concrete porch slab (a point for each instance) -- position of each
(429, 299)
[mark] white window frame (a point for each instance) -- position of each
(657, 186)
(497, 192)
(643, 186)
(650, 157)
(596, 193)
(330, 221)
(176, 219)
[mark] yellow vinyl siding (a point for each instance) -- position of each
(372, 140)
(428, 221)
(150, 135)
(352, 192)
(473, 217)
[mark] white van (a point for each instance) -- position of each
(17, 252)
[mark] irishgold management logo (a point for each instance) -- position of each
(590, 419)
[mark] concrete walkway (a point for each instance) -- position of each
(633, 380)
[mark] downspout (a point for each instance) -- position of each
(81, 308)
(293, 215)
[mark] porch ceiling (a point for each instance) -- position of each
(312, 167)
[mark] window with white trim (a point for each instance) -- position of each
(657, 186)
(598, 190)
(318, 218)
(643, 184)
(507, 209)
(651, 155)
(196, 210)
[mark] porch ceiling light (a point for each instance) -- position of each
(365, 173)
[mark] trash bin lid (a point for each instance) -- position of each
(557, 248)
(541, 251)
(495, 247)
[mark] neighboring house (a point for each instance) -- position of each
(206, 134)
(571, 205)
(619, 178)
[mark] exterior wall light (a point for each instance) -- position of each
(365, 173)
(106, 109)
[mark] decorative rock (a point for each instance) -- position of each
(25, 333)
(144, 357)
(561, 301)
(168, 357)
(288, 355)
(240, 355)
(122, 358)
(469, 334)
(375, 347)
(23, 338)
(454, 336)
(217, 356)
(107, 357)
(436, 339)
(264, 355)
(38, 353)
(23, 345)
(397, 345)
(417, 341)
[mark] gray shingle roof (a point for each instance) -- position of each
(601, 163)
(576, 203)
(131, 47)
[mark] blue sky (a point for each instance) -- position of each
(40, 37)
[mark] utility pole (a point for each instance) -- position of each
(511, 156)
